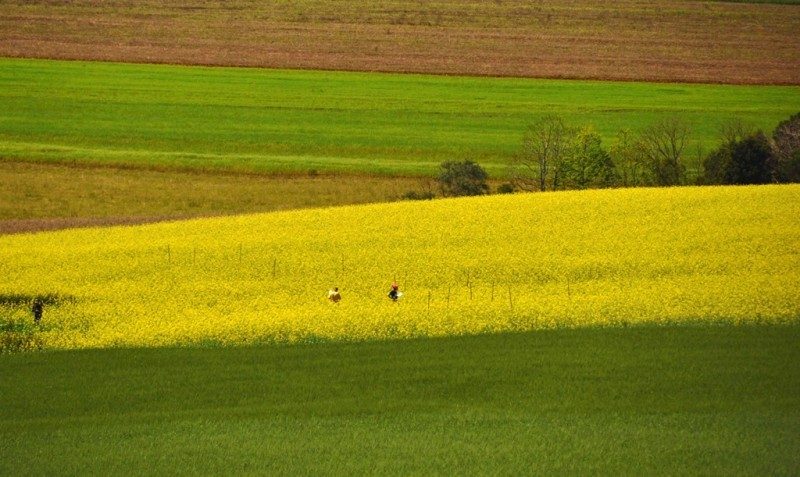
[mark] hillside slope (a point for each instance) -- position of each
(500, 263)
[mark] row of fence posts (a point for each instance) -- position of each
(168, 251)
(430, 293)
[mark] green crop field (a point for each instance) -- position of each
(699, 400)
(296, 121)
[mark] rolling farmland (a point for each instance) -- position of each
(655, 40)
(299, 121)
(468, 266)
(649, 331)
(657, 401)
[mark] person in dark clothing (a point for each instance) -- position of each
(394, 293)
(37, 309)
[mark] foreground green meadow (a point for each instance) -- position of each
(698, 400)
(300, 121)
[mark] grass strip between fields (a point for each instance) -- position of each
(42, 196)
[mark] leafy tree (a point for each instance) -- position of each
(547, 145)
(716, 165)
(750, 161)
(462, 178)
(786, 140)
(627, 157)
(590, 164)
(740, 159)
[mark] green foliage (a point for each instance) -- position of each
(627, 158)
(710, 400)
(547, 147)
(462, 178)
(556, 155)
(741, 160)
(789, 169)
(591, 165)
(715, 166)
(662, 146)
(750, 161)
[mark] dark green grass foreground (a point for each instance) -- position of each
(720, 400)
(296, 121)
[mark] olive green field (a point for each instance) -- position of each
(48, 196)
(710, 400)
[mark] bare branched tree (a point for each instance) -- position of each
(547, 144)
(786, 142)
(662, 145)
(734, 130)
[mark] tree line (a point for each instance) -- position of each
(558, 156)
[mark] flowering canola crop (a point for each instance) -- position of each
(465, 266)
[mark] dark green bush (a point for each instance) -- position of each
(462, 178)
(506, 188)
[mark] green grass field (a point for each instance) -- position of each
(710, 400)
(296, 121)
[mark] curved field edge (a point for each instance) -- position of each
(238, 119)
(647, 400)
(43, 196)
(466, 266)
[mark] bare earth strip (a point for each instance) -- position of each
(656, 40)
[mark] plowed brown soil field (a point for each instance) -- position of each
(656, 40)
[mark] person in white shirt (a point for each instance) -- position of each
(334, 295)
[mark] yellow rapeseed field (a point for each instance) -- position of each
(475, 265)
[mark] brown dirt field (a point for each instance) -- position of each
(656, 40)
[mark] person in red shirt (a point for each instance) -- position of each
(394, 293)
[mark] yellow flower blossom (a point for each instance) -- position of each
(465, 266)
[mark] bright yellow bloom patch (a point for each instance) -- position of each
(499, 263)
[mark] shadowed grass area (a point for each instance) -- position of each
(653, 400)
(238, 119)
